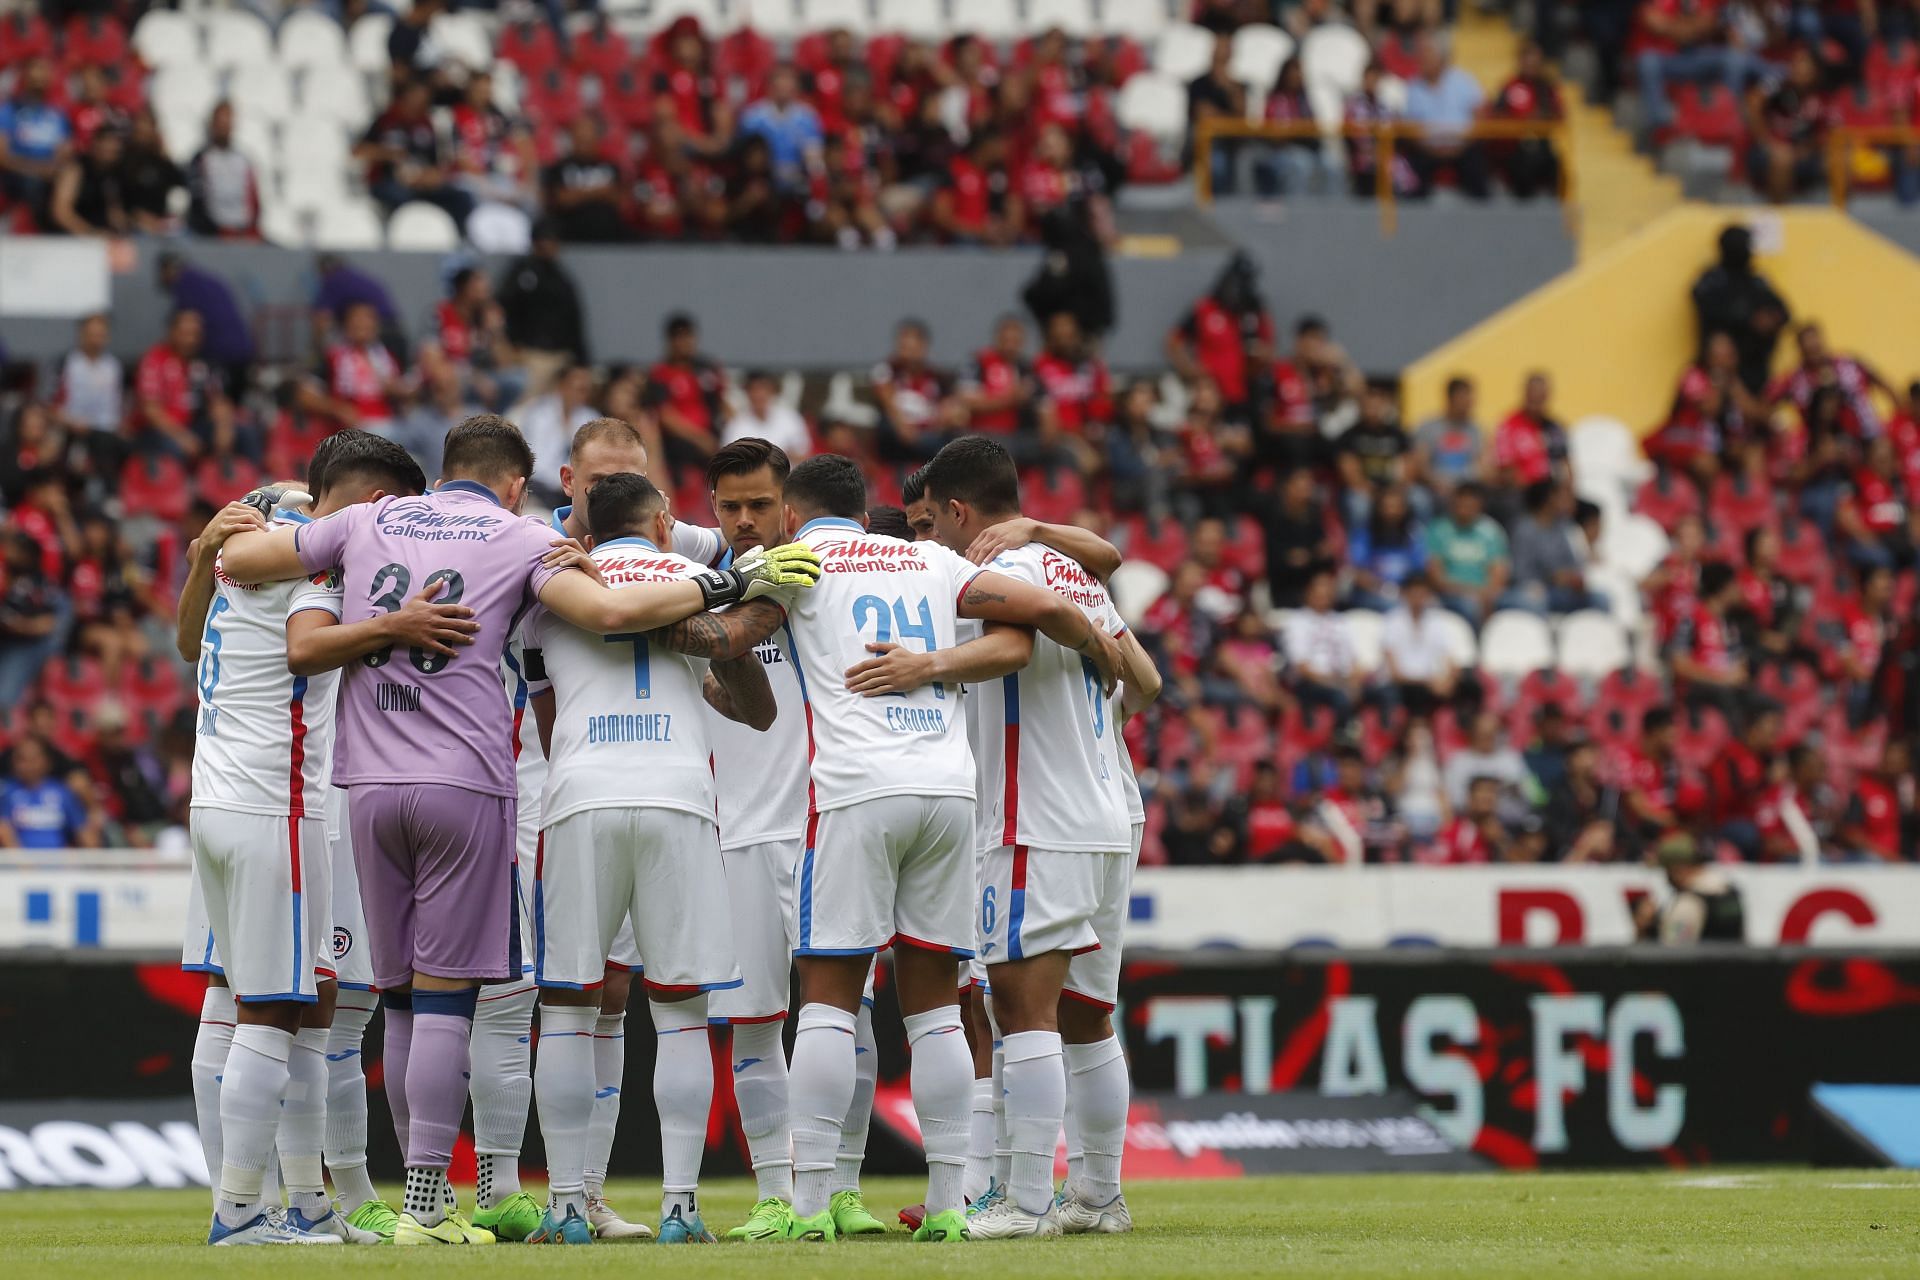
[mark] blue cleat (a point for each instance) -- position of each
(263, 1229)
(675, 1229)
(571, 1229)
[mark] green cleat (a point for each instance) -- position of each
(850, 1216)
(452, 1229)
(818, 1228)
(947, 1227)
(515, 1218)
(770, 1219)
(376, 1216)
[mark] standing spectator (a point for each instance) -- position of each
(1531, 445)
(1549, 575)
(1467, 555)
(1216, 95)
(1445, 99)
(999, 390)
(39, 811)
(1732, 298)
(1371, 456)
(1789, 124)
(228, 339)
(1530, 165)
(1684, 41)
(89, 397)
(34, 136)
(403, 156)
(686, 390)
(1447, 447)
(1067, 202)
(768, 417)
(976, 201)
(912, 394)
(35, 615)
(582, 188)
(549, 421)
(790, 128)
(89, 191)
(544, 317)
(1320, 651)
(364, 383)
(340, 286)
(223, 184)
(1487, 754)
(1413, 642)
(1227, 335)
(1299, 543)
(149, 177)
(178, 396)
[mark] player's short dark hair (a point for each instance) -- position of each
(1715, 576)
(487, 448)
(976, 470)
(745, 456)
(828, 484)
(615, 431)
(619, 504)
(889, 521)
(351, 456)
(914, 487)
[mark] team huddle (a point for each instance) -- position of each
(890, 730)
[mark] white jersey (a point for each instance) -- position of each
(629, 725)
(761, 778)
(1060, 782)
(264, 736)
(986, 711)
(874, 589)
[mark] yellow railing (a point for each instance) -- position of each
(1845, 140)
(1385, 137)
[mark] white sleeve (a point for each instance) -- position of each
(320, 591)
(700, 545)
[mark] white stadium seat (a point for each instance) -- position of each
(339, 98)
(1622, 593)
(348, 225)
(1515, 644)
(1605, 451)
(367, 43)
(1075, 17)
(774, 19)
(989, 19)
(181, 98)
(1259, 51)
(312, 186)
(826, 15)
(1135, 19)
(163, 38)
(313, 141)
(1363, 631)
(1136, 584)
(236, 38)
(1335, 55)
(254, 138)
(1463, 649)
(1153, 104)
(422, 228)
(1393, 94)
(184, 132)
(1633, 544)
(1592, 645)
(1184, 52)
(919, 19)
(312, 39)
(261, 90)
(662, 14)
(463, 38)
(284, 226)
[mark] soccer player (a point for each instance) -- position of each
(1055, 889)
(913, 496)
(426, 749)
(887, 856)
(261, 770)
(628, 832)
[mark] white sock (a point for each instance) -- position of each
(609, 1076)
(1099, 1090)
(683, 1095)
(980, 1140)
(211, 1044)
(1036, 1103)
(501, 1086)
(251, 1087)
(303, 1123)
(760, 1092)
(428, 1196)
(346, 1140)
(563, 1080)
(942, 1081)
(853, 1129)
(1002, 1141)
(819, 1091)
(1070, 1126)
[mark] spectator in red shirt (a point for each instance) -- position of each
(1075, 381)
(687, 90)
(998, 389)
(685, 391)
(1266, 820)
(1712, 411)
(1769, 609)
(1475, 835)
(1879, 810)
(1859, 639)
(1852, 379)
(1650, 782)
(1684, 41)
(178, 395)
(1737, 778)
(977, 202)
(362, 384)
(1871, 519)
(917, 409)
(1529, 166)
(1227, 335)
(493, 153)
(1212, 451)
(1789, 124)
(1709, 665)
(1531, 445)
(1799, 817)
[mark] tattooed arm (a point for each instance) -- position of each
(994, 597)
(738, 689)
(722, 636)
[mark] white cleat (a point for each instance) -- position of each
(264, 1229)
(1006, 1220)
(333, 1224)
(609, 1225)
(1077, 1217)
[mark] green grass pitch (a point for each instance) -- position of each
(1744, 1223)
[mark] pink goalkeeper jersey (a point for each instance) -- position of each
(409, 715)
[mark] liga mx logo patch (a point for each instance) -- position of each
(342, 941)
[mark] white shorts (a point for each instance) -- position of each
(265, 882)
(526, 848)
(760, 894)
(1040, 900)
(976, 971)
(1094, 976)
(662, 868)
(352, 962)
(895, 869)
(197, 952)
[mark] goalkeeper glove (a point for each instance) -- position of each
(758, 573)
(268, 498)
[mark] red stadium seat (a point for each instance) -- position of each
(155, 487)
(627, 98)
(744, 59)
(24, 35)
(1741, 503)
(1798, 691)
(554, 96)
(1803, 556)
(153, 685)
(72, 683)
(1053, 495)
(1666, 498)
(530, 46)
(1163, 544)
(291, 441)
(600, 50)
(1711, 116)
(221, 480)
(1621, 702)
(94, 40)
(1890, 69)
